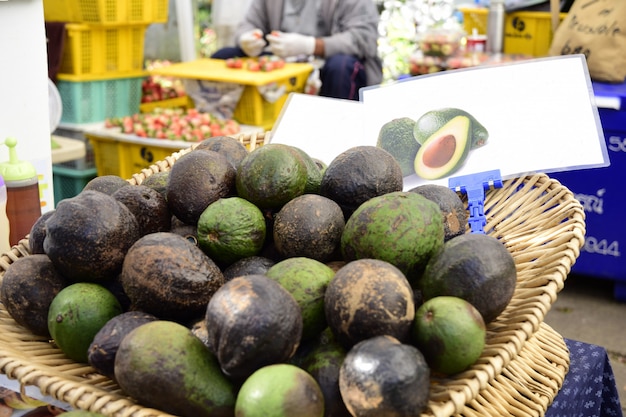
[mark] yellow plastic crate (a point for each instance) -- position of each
(106, 11)
(528, 33)
(126, 155)
(123, 155)
(252, 109)
(96, 50)
(183, 102)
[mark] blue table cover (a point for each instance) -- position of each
(589, 388)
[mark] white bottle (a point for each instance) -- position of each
(495, 27)
(5, 247)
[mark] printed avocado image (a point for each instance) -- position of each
(397, 138)
(431, 121)
(445, 136)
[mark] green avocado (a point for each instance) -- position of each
(396, 137)
(433, 120)
(444, 151)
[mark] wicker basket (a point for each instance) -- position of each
(522, 366)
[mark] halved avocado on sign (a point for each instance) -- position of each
(445, 150)
(433, 120)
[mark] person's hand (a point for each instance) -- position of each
(252, 42)
(290, 44)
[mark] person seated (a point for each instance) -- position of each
(343, 34)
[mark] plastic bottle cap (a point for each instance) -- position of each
(15, 169)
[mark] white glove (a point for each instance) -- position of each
(290, 44)
(252, 42)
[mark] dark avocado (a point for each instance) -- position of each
(359, 174)
(106, 184)
(27, 288)
(166, 275)
(368, 298)
(396, 382)
(252, 265)
(149, 207)
(101, 353)
(310, 226)
(252, 321)
(455, 215)
(38, 233)
(196, 180)
(228, 146)
(89, 235)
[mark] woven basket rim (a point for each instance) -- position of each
(536, 217)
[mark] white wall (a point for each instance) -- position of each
(24, 110)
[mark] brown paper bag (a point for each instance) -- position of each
(597, 29)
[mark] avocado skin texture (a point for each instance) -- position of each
(163, 365)
(397, 138)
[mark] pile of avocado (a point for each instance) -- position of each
(257, 283)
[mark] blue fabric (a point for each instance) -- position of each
(589, 388)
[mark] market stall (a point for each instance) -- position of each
(524, 364)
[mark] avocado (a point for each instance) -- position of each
(383, 377)
(445, 150)
(230, 229)
(252, 321)
(402, 228)
(475, 267)
(306, 280)
(228, 146)
(89, 235)
(431, 121)
(450, 332)
(163, 365)
(27, 290)
(149, 207)
(280, 390)
(359, 174)
(196, 180)
(397, 138)
(272, 175)
(103, 348)
(309, 225)
(368, 298)
(248, 266)
(158, 182)
(37, 233)
(166, 275)
(314, 171)
(455, 215)
(106, 184)
(323, 361)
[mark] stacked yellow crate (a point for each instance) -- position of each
(101, 70)
(102, 65)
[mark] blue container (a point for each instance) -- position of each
(601, 192)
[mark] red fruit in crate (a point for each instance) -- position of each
(253, 66)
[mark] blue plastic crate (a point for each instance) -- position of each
(96, 100)
(601, 193)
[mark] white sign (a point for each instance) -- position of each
(539, 116)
